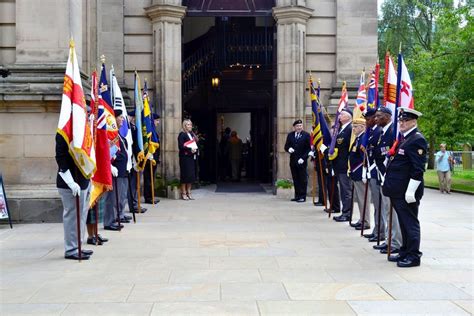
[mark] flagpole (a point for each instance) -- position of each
(332, 194)
(323, 186)
(138, 192)
(117, 203)
(78, 214)
(365, 195)
(313, 191)
(96, 113)
(152, 186)
(352, 205)
(130, 200)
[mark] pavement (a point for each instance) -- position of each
(241, 254)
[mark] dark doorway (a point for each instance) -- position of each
(228, 71)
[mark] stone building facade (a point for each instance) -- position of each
(333, 39)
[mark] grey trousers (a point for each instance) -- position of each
(375, 192)
(359, 193)
(396, 232)
(110, 211)
(345, 192)
(70, 219)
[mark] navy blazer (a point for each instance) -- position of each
(302, 146)
(407, 163)
(342, 144)
(65, 162)
(356, 159)
(121, 158)
(384, 144)
(374, 136)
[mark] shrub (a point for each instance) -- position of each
(284, 184)
(174, 183)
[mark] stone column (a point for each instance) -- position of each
(291, 73)
(167, 16)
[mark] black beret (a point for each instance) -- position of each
(384, 109)
(118, 112)
(155, 116)
(131, 113)
(408, 114)
(370, 112)
(347, 110)
(298, 121)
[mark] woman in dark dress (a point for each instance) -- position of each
(187, 144)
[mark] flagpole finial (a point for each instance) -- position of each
(319, 81)
(102, 58)
(400, 48)
(71, 42)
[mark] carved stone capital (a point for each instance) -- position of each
(292, 14)
(166, 13)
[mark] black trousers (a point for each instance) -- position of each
(409, 226)
(333, 193)
(318, 176)
(299, 174)
(345, 184)
(132, 192)
(147, 180)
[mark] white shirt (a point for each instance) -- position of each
(386, 127)
(408, 132)
(344, 126)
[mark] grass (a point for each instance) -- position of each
(461, 180)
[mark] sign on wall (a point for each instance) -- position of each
(4, 212)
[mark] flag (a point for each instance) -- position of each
(73, 124)
(406, 99)
(343, 102)
(361, 100)
(138, 120)
(102, 179)
(106, 101)
(322, 121)
(119, 104)
(372, 91)
(316, 134)
(390, 85)
(150, 139)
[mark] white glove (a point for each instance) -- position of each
(135, 167)
(300, 161)
(149, 157)
(364, 175)
(67, 177)
(114, 171)
(411, 189)
(311, 154)
(291, 150)
(323, 148)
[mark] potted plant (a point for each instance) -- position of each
(284, 188)
(173, 189)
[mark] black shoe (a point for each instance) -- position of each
(301, 200)
(113, 227)
(94, 241)
(374, 239)
(360, 227)
(124, 220)
(369, 235)
(355, 224)
(393, 250)
(150, 201)
(127, 217)
(102, 239)
(318, 203)
(332, 211)
(142, 210)
(380, 247)
(341, 218)
(87, 252)
(394, 258)
(76, 257)
(408, 262)
(294, 200)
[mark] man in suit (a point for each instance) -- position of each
(339, 162)
(373, 137)
(404, 185)
(114, 211)
(383, 118)
(357, 175)
(132, 194)
(298, 144)
(146, 171)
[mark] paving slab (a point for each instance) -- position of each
(240, 254)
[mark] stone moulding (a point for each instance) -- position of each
(292, 14)
(166, 13)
